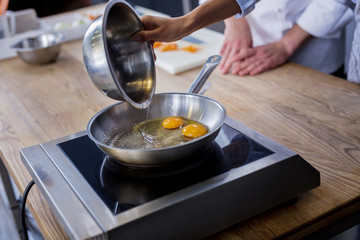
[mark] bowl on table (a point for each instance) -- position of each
(40, 49)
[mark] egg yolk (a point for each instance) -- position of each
(194, 130)
(173, 122)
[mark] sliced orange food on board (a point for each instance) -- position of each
(93, 17)
(190, 48)
(168, 47)
(157, 44)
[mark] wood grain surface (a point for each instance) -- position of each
(311, 113)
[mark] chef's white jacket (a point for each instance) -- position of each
(354, 61)
(323, 19)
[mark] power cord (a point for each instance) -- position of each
(22, 209)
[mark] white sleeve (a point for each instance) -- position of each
(326, 19)
(246, 6)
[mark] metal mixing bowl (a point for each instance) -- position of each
(119, 67)
(40, 49)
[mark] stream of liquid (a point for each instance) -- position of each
(148, 138)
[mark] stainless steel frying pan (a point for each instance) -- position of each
(122, 116)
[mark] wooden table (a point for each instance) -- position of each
(311, 113)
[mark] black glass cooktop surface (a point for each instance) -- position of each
(122, 187)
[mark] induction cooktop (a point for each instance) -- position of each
(242, 174)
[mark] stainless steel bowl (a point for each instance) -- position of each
(119, 67)
(40, 49)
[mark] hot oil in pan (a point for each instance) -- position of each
(149, 134)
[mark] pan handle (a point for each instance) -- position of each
(207, 69)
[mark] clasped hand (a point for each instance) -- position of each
(241, 58)
(255, 60)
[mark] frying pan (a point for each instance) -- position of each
(121, 117)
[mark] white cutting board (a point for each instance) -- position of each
(179, 61)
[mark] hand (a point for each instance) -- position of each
(262, 58)
(159, 29)
(255, 60)
(237, 37)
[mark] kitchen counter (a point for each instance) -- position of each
(311, 113)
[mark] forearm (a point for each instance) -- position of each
(294, 38)
(208, 13)
(171, 29)
(234, 22)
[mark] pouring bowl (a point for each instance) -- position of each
(120, 68)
